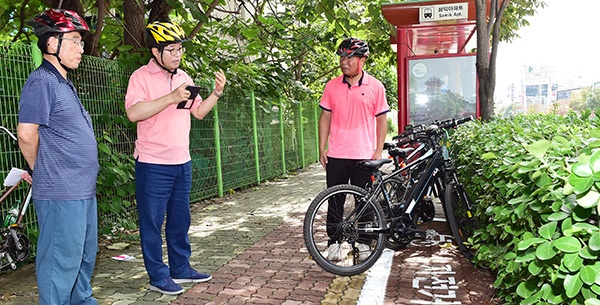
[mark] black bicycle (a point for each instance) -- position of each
(346, 227)
(15, 247)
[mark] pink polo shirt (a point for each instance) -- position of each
(164, 137)
(353, 116)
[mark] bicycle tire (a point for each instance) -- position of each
(460, 218)
(22, 254)
(348, 232)
(396, 189)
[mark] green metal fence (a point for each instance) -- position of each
(245, 140)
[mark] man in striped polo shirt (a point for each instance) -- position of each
(57, 139)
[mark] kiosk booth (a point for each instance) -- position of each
(435, 43)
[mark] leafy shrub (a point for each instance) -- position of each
(536, 181)
(391, 127)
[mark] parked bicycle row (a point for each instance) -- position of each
(347, 227)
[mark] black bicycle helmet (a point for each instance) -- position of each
(353, 47)
(161, 33)
(58, 21)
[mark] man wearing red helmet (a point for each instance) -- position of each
(57, 139)
(352, 128)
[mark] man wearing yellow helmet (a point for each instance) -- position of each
(161, 34)
(163, 170)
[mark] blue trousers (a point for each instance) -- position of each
(66, 250)
(164, 190)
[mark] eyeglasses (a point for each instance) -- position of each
(176, 51)
(76, 41)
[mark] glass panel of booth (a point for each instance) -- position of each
(441, 88)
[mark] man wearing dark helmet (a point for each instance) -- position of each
(352, 127)
(163, 168)
(57, 139)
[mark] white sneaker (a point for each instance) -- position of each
(334, 252)
(364, 251)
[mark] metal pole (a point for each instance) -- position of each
(301, 127)
(36, 54)
(282, 133)
(255, 137)
(315, 110)
(217, 135)
(402, 77)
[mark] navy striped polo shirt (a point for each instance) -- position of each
(67, 166)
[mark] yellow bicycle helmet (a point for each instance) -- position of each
(162, 33)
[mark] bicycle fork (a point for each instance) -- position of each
(5, 254)
(16, 239)
(10, 260)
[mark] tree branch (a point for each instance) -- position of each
(208, 12)
(495, 42)
(102, 8)
(23, 22)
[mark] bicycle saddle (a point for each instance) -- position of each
(372, 164)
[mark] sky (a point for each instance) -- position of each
(564, 34)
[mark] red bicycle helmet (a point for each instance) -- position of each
(353, 47)
(58, 21)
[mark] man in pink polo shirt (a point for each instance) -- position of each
(163, 169)
(352, 127)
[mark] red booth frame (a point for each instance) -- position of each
(413, 39)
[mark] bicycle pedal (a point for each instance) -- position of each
(430, 234)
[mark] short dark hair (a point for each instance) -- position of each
(43, 41)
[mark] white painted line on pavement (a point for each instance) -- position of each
(373, 291)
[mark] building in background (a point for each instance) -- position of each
(538, 86)
(539, 89)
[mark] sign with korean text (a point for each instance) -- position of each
(439, 12)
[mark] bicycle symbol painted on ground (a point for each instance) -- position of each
(436, 283)
(433, 238)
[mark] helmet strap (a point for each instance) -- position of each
(351, 77)
(360, 70)
(173, 72)
(59, 37)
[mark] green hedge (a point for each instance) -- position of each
(536, 181)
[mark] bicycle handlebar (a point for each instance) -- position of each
(420, 132)
(409, 130)
(10, 134)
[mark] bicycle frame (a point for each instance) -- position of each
(433, 178)
(430, 179)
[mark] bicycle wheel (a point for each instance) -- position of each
(396, 189)
(460, 216)
(19, 254)
(343, 231)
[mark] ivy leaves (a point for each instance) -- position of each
(537, 183)
(585, 180)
